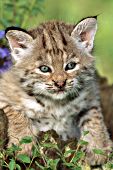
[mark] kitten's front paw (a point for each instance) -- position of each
(32, 108)
(25, 148)
(93, 158)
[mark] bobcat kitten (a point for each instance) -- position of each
(52, 85)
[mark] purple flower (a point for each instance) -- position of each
(4, 52)
(5, 60)
(2, 34)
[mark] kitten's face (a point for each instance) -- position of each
(56, 73)
(54, 62)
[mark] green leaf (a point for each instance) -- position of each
(110, 165)
(78, 156)
(24, 158)
(12, 149)
(83, 142)
(46, 137)
(12, 164)
(40, 166)
(66, 154)
(35, 152)
(15, 148)
(49, 145)
(98, 151)
(69, 164)
(26, 139)
(56, 161)
(85, 133)
(53, 163)
(18, 167)
(1, 155)
(78, 168)
(111, 155)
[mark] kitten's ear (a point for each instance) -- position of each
(84, 33)
(19, 41)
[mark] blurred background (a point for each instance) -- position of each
(28, 14)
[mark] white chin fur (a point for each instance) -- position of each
(58, 95)
(52, 95)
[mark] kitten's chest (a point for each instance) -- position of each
(59, 118)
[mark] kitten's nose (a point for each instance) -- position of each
(60, 84)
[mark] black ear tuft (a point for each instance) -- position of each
(15, 28)
(95, 16)
(84, 32)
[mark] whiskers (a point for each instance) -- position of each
(50, 88)
(75, 86)
(39, 88)
(76, 92)
(72, 88)
(69, 88)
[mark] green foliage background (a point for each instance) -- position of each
(29, 14)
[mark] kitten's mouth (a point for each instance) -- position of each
(60, 91)
(57, 91)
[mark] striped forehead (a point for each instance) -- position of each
(53, 38)
(55, 59)
(53, 44)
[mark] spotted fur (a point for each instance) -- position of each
(62, 99)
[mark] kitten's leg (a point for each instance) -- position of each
(18, 127)
(97, 138)
(19, 100)
(13, 94)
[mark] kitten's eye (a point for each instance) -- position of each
(70, 66)
(45, 69)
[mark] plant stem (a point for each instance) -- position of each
(4, 160)
(42, 154)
